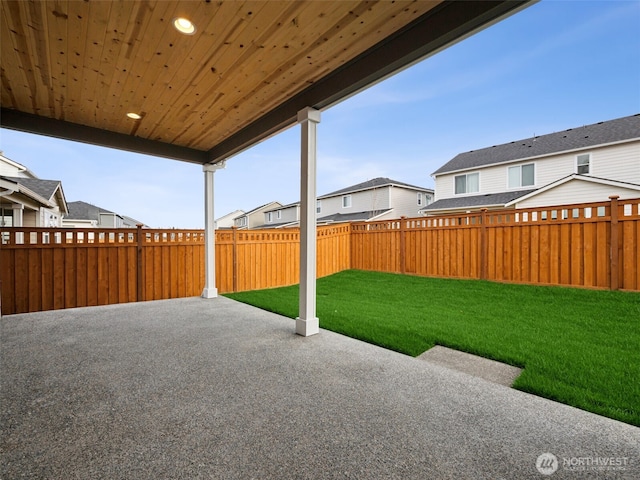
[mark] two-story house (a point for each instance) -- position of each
(29, 201)
(85, 215)
(254, 218)
(376, 199)
(578, 165)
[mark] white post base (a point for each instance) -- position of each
(307, 328)
(209, 293)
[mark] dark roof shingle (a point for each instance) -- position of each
(44, 188)
(476, 201)
(374, 183)
(620, 129)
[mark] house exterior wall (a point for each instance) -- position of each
(615, 162)
(287, 215)
(363, 201)
(405, 202)
(577, 191)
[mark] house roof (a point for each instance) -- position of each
(476, 201)
(574, 177)
(85, 211)
(352, 217)
(80, 210)
(276, 205)
(45, 188)
(243, 76)
(601, 133)
(374, 183)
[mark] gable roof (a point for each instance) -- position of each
(45, 188)
(476, 201)
(43, 191)
(601, 133)
(275, 204)
(575, 177)
(352, 217)
(374, 183)
(85, 211)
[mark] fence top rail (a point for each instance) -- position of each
(69, 237)
(627, 209)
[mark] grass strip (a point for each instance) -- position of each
(577, 346)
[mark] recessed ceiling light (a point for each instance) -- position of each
(184, 25)
(134, 116)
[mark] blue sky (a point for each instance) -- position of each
(553, 66)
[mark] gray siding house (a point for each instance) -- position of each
(376, 199)
(578, 165)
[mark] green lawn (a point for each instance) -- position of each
(580, 347)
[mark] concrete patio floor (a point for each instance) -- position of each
(195, 388)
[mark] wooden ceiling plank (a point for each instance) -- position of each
(140, 61)
(342, 15)
(159, 98)
(89, 97)
(76, 44)
(114, 51)
(59, 53)
(28, 86)
(173, 105)
(40, 41)
(275, 36)
(275, 16)
(14, 78)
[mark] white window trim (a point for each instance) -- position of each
(346, 198)
(279, 214)
(467, 193)
(535, 175)
(420, 201)
(269, 217)
(318, 206)
(590, 163)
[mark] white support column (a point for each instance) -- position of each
(307, 323)
(18, 210)
(210, 290)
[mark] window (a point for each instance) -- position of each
(521, 175)
(242, 221)
(583, 164)
(269, 217)
(346, 201)
(318, 206)
(469, 183)
(419, 199)
(279, 214)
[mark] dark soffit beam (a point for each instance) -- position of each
(445, 24)
(27, 122)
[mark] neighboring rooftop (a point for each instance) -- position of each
(374, 183)
(85, 211)
(474, 201)
(601, 133)
(45, 188)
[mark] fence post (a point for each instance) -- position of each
(234, 254)
(403, 248)
(483, 244)
(615, 243)
(140, 269)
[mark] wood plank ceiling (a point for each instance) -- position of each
(74, 69)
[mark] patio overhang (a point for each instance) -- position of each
(119, 75)
(74, 69)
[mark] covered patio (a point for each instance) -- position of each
(194, 388)
(203, 81)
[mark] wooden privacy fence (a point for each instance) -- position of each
(593, 245)
(46, 269)
(585, 245)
